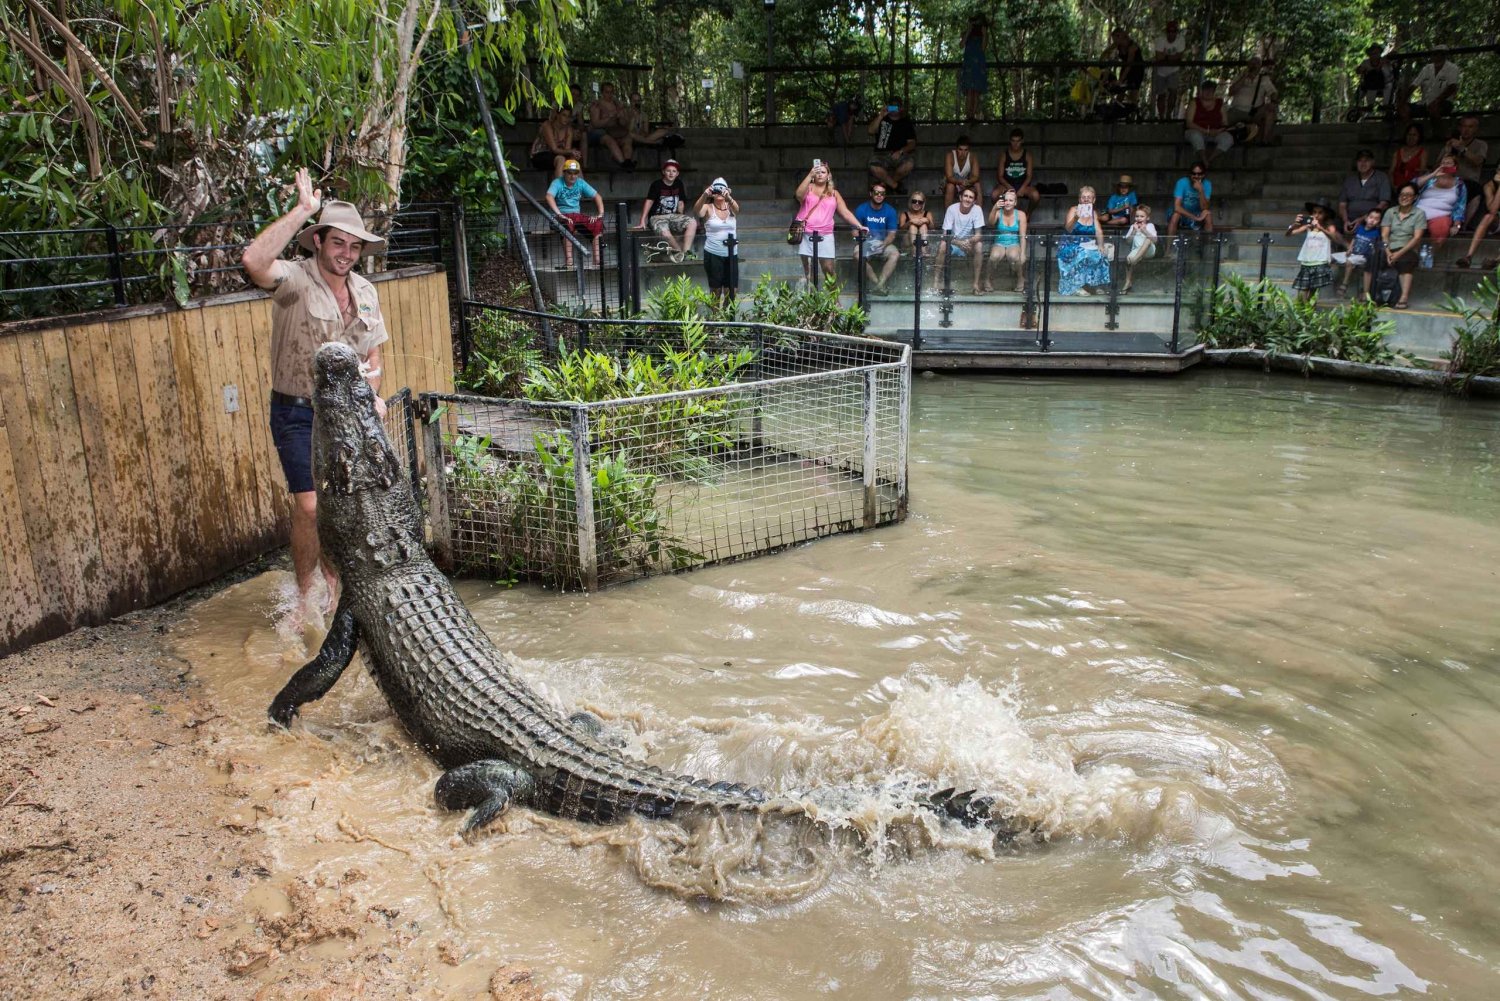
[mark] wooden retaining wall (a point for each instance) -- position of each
(124, 477)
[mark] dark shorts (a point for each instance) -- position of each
(543, 160)
(723, 272)
(291, 430)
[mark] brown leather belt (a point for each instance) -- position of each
(290, 401)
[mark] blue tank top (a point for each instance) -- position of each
(1008, 236)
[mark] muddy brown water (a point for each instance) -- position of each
(1228, 641)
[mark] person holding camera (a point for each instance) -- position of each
(820, 202)
(895, 146)
(1316, 256)
(721, 254)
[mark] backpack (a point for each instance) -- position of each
(1385, 286)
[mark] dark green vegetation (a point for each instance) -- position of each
(1261, 315)
(1476, 348)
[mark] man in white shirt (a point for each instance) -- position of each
(1438, 85)
(1253, 98)
(963, 226)
(1166, 75)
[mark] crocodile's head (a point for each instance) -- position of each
(350, 451)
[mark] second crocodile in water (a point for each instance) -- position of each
(460, 698)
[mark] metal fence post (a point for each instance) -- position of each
(460, 251)
(583, 496)
(872, 495)
(1265, 253)
(918, 246)
(437, 483)
(1047, 242)
(622, 237)
(635, 273)
(816, 273)
(116, 266)
(859, 272)
(1112, 306)
(1179, 269)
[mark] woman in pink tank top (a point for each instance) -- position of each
(820, 202)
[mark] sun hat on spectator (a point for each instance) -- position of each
(1318, 203)
(345, 217)
(1126, 181)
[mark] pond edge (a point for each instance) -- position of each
(1334, 368)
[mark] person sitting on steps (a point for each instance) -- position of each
(916, 221)
(895, 146)
(666, 207)
(558, 140)
(1488, 210)
(1190, 202)
(1205, 126)
(1009, 224)
(960, 170)
(564, 197)
(1143, 238)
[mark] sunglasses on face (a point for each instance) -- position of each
(917, 204)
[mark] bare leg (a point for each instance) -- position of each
(974, 252)
(1405, 287)
(891, 257)
(306, 552)
(689, 234)
(608, 142)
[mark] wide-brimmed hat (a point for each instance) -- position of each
(1319, 203)
(1126, 180)
(341, 216)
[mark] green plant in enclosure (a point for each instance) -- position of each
(1260, 315)
(525, 505)
(503, 351)
(816, 307)
(1476, 344)
(681, 298)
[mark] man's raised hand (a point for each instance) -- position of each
(309, 199)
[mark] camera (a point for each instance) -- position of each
(893, 107)
(717, 189)
(817, 164)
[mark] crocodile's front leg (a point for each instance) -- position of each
(318, 675)
(487, 786)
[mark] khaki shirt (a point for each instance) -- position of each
(305, 315)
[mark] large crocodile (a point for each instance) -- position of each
(457, 695)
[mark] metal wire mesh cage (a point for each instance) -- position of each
(796, 435)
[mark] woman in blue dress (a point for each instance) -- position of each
(974, 78)
(1080, 262)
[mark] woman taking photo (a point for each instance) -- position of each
(1009, 224)
(721, 257)
(820, 202)
(1080, 262)
(1443, 200)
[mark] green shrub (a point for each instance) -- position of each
(1476, 346)
(813, 308)
(502, 350)
(1261, 315)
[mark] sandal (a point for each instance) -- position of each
(1402, 304)
(1126, 289)
(1462, 262)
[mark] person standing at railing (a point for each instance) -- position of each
(1009, 224)
(313, 301)
(558, 140)
(974, 78)
(721, 255)
(895, 146)
(565, 198)
(882, 225)
(1166, 76)
(666, 208)
(1438, 85)
(820, 202)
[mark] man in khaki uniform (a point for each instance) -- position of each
(314, 300)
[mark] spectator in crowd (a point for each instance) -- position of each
(881, 224)
(1364, 190)
(916, 221)
(1253, 101)
(1123, 82)
(1487, 209)
(665, 210)
(1401, 232)
(721, 253)
(840, 119)
(1119, 209)
(1009, 224)
(1142, 234)
(1442, 199)
(1410, 159)
(1016, 171)
(638, 126)
(1438, 85)
(1362, 246)
(820, 202)
(974, 78)
(1080, 259)
(1166, 76)
(1204, 124)
(895, 146)
(1319, 230)
(1377, 78)
(558, 140)
(609, 126)
(960, 170)
(565, 198)
(1469, 152)
(1190, 202)
(963, 227)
